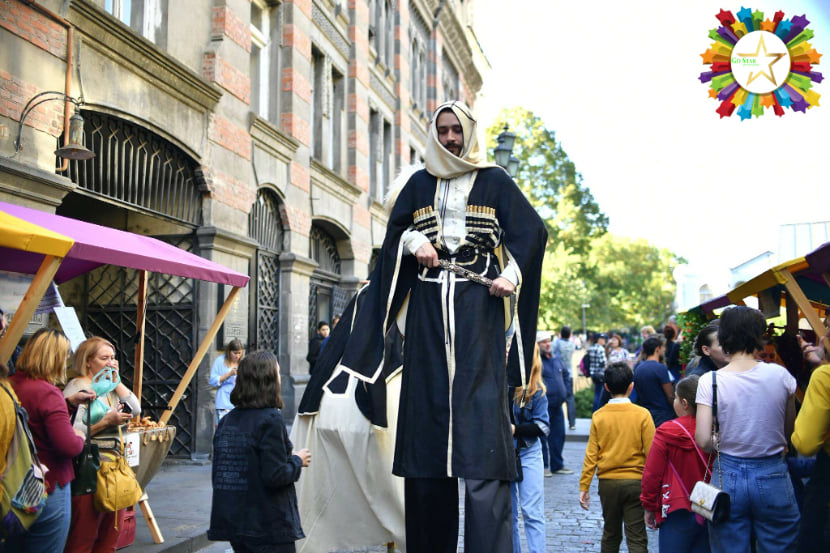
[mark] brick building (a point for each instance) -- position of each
(261, 134)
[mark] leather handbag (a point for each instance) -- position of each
(117, 484)
(711, 502)
(86, 465)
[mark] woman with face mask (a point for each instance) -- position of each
(114, 405)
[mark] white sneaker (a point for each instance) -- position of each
(563, 470)
(548, 473)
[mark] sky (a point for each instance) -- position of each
(618, 83)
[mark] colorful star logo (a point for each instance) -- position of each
(751, 82)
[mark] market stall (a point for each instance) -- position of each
(802, 286)
(56, 249)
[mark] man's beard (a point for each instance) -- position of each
(454, 149)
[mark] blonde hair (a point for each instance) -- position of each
(535, 384)
(44, 356)
(87, 349)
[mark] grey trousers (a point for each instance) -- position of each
(432, 516)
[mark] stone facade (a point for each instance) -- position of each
(304, 108)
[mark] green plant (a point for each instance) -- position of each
(691, 322)
(584, 400)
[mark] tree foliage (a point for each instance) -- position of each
(627, 283)
(550, 181)
(632, 283)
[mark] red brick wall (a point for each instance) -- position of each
(229, 136)
(298, 220)
(228, 190)
(34, 27)
(225, 23)
(14, 93)
(216, 69)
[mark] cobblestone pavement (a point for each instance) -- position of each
(570, 529)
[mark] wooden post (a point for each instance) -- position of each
(27, 307)
(152, 523)
(140, 324)
(200, 354)
(803, 303)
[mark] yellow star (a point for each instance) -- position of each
(776, 56)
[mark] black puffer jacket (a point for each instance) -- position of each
(254, 471)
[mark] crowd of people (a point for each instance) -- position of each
(729, 420)
(459, 275)
(95, 403)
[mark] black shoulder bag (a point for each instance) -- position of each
(86, 463)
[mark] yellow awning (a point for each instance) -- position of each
(18, 234)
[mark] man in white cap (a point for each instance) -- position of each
(463, 257)
(554, 374)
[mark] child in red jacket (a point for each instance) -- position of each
(673, 465)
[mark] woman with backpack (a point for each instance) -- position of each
(41, 365)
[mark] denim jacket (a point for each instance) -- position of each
(535, 411)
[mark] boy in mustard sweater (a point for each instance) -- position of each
(621, 435)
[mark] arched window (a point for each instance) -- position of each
(265, 225)
(325, 298)
(136, 167)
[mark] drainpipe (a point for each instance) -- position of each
(68, 81)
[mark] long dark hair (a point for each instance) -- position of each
(257, 385)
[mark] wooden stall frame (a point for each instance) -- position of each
(200, 354)
(28, 305)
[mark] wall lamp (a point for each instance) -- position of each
(73, 148)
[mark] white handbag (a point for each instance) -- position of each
(708, 501)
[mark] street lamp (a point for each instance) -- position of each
(73, 147)
(584, 322)
(504, 152)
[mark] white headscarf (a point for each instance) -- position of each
(443, 164)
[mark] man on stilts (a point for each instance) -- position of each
(459, 272)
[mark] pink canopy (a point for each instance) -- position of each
(96, 245)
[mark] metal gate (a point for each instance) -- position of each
(265, 225)
(110, 312)
(267, 302)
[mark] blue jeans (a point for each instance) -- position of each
(599, 387)
(530, 492)
(571, 402)
(552, 450)
(763, 505)
(680, 533)
(49, 531)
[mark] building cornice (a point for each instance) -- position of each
(461, 47)
(333, 184)
(113, 39)
(272, 140)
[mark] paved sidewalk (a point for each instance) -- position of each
(180, 498)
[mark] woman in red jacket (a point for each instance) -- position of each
(673, 465)
(41, 365)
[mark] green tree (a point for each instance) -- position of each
(550, 181)
(631, 284)
(563, 290)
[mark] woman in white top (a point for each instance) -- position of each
(113, 406)
(615, 352)
(755, 413)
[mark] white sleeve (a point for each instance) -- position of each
(412, 240)
(511, 272)
(133, 402)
